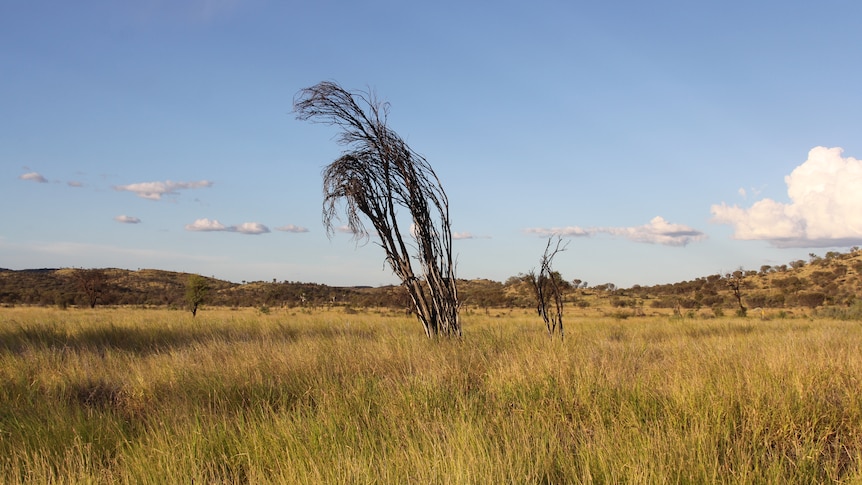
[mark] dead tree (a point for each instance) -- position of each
(548, 288)
(377, 175)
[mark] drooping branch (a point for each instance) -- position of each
(377, 174)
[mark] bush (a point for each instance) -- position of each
(811, 299)
(852, 312)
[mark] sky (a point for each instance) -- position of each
(663, 140)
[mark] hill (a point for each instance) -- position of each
(834, 279)
(831, 280)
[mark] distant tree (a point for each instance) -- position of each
(736, 283)
(548, 288)
(92, 283)
(376, 176)
(196, 291)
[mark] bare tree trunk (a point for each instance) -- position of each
(547, 288)
(736, 283)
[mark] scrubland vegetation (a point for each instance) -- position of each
(122, 395)
(832, 280)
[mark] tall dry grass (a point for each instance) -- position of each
(152, 396)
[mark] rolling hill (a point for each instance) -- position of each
(834, 279)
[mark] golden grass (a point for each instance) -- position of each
(154, 396)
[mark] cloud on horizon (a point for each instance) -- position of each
(291, 228)
(34, 177)
(127, 219)
(207, 225)
(657, 231)
(155, 190)
(825, 208)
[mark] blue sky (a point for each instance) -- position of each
(665, 140)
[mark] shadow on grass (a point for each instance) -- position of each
(137, 340)
(149, 340)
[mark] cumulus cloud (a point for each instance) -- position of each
(207, 225)
(291, 228)
(657, 231)
(155, 190)
(251, 228)
(127, 219)
(34, 177)
(825, 208)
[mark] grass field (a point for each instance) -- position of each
(154, 396)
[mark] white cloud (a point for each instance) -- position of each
(291, 228)
(35, 177)
(251, 228)
(74, 183)
(206, 225)
(657, 231)
(568, 231)
(467, 235)
(825, 208)
(155, 190)
(127, 219)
